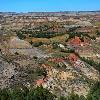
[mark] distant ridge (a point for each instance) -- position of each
(60, 13)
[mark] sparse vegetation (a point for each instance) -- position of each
(92, 63)
(40, 93)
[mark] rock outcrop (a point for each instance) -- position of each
(76, 77)
(15, 42)
(6, 71)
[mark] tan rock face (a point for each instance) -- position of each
(6, 72)
(84, 23)
(15, 42)
(65, 75)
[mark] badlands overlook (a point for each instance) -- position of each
(50, 56)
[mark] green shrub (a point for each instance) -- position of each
(94, 93)
(23, 93)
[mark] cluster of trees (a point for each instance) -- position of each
(73, 29)
(21, 35)
(40, 93)
(45, 34)
(37, 34)
(98, 33)
(81, 35)
(23, 93)
(55, 45)
(72, 33)
(87, 35)
(36, 44)
(68, 51)
(44, 28)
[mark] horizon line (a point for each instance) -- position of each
(49, 11)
